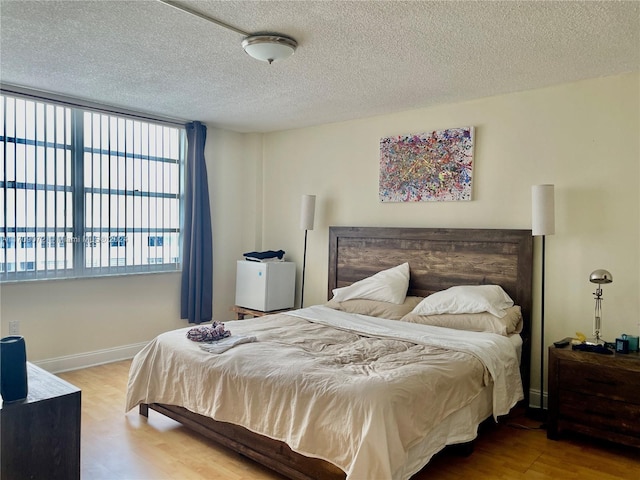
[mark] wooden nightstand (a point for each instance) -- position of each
(594, 394)
(241, 312)
(40, 435)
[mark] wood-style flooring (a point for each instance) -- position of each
(119, 445)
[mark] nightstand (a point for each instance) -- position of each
(594, 394)
(40, 435)
(241, 312)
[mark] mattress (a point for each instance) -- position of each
(375, 397)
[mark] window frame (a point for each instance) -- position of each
(81, 192)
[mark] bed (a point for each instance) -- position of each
(295, 438)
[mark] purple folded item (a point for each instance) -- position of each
(208, 333)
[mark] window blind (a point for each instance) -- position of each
(87, 193)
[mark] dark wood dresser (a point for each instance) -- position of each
(594, 394)
(40, 436)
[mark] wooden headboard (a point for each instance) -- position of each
(440, 258)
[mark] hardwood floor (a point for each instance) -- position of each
(118, 445)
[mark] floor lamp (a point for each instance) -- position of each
(307, 214)
(543, 224)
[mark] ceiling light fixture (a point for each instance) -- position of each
(269, 47)
(266, 47)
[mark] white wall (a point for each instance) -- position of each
(582, 137)
(73, 323)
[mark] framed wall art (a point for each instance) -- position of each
(435, 166)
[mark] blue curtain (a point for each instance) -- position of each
(196, 302)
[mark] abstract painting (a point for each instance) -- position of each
(427, 167)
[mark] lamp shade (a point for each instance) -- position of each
(600, 276)
(307, 212)
(543, 220)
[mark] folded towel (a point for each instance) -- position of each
(225, 344)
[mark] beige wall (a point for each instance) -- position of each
(234, 163)
(582, 137)
(73, 323)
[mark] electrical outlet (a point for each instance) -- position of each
(14, 327)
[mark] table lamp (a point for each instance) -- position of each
(599, 277)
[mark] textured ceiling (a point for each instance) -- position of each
(355, 58)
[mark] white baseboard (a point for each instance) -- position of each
(90, 359)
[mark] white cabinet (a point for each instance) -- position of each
(265, 286)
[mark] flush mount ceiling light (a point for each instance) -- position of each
(269, 47)
(266, 47)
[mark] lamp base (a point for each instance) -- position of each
(595, 341)
(539, 415)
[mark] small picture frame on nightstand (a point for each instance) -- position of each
(622, 345)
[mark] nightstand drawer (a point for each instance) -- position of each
(600, 413)
(599, 380)
(597, 395)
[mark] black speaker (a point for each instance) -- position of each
(13, 369)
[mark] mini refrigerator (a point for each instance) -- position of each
(265, 286)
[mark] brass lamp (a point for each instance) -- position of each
(599, 277)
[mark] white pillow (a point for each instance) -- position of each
(474, 322)
(373, 308)
(386, 286)
(466, 299)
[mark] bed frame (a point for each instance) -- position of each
(438, 259)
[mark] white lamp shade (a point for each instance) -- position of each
(307, 212)
(543, 220)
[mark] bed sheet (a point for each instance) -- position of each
(359, 392)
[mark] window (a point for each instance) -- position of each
(155, 241)
(26, 242)
(96, 193)
(7, 242)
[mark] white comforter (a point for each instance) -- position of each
(356, 391)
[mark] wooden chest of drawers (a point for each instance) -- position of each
(40, 436)
(594, 394)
